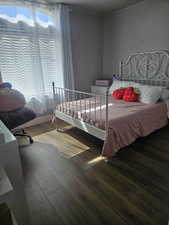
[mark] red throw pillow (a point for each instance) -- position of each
(130, 95)
(119, 93)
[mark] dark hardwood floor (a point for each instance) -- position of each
(83, 189)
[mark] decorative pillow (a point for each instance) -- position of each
(150, 94)
(117, 84)
(165, 94)
(130, 95)
(164, 91)
(11, 100)
(119, 93)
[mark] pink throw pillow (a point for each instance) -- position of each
(11, 100)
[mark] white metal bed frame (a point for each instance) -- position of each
(147, 68)
(62, 95)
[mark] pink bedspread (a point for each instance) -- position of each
(127, 120)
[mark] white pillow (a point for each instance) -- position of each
(150, 94)
(118, 84)
(165, 94)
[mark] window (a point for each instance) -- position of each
(30, 50)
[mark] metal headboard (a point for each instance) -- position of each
(147, 68)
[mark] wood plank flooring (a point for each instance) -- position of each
(132, 189)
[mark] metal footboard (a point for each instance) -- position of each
(81, 105)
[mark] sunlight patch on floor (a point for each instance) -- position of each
(64, 143)
(96, 160)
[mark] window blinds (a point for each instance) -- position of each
(30, 51)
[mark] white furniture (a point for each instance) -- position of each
(5, 186)
(98, 90)
(6, 190)
(10, 161)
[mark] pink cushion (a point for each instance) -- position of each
(10, 100)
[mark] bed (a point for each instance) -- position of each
(116, 122)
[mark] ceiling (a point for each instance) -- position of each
(97, 5)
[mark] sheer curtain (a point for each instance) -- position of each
(34, 51)
(66, 46)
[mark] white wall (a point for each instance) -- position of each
(138, 28)
(86, 47)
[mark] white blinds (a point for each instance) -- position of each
(30, 51)
(19, 64)
(16, 62)
(51, 63)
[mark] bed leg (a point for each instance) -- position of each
(107, 160)
(57, 123)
